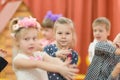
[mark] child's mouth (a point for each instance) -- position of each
(31, 48)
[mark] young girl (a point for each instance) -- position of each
(30, 64)
(63, 47)
(3, 62)
(47, 28)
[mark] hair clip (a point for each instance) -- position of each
(52, 17)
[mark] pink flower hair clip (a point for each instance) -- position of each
(25, 22)
(28, 22)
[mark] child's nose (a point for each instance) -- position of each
(31, 41)
(63, 36)
(97, 32)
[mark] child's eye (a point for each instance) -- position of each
(35, 38)
(26, 39)
(101, 30)
(59, 33)
(94, 30)
(67, 33)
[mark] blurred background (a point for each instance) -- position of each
(82, 12)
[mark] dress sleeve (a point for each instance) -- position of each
(50, 50)
(103, 48)
(74, 57)
(90, 52)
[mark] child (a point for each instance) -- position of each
(3, 62)
(116, 71)
(101, 30)
(63, 47)
(47, 28)
(104, 59)
(30, 64)
(116, 41)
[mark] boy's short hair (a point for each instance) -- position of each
(102, 21)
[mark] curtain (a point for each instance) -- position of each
(82, 12)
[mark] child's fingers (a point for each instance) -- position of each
(67, 62)
(73, 66)
(70, 76)
(66, 77)
(74, 69)
(3, 53)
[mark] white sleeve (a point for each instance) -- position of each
(90, 52)
(38, 53)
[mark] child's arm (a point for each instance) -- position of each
(115, 73)
(53, 60)
(116, 41)
(90, 54)
(102, 48)
(67, 72)
(62, 54)
(106, 48)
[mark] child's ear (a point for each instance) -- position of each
(109, 33)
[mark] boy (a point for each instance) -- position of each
(101, 30)
(104, 59)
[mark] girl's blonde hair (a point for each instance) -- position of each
(64, 21)
(102, 21)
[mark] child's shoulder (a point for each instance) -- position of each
(51, 47)
(19, 56)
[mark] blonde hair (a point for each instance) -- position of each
(63, 21)
(102, 21)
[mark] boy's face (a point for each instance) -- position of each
(63, 35)
(28, 41)
(100, 33)
(47, 33)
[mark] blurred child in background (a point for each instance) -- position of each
(47, 28)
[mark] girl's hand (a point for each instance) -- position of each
(3, 53)
(68, 70)
(63, 53)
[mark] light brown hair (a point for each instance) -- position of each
(102, 21)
